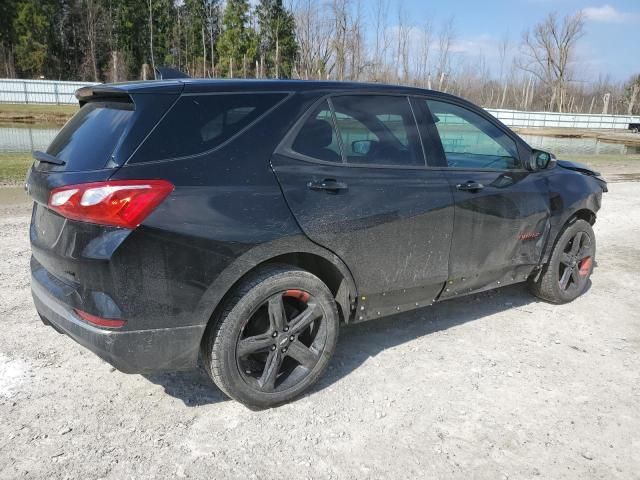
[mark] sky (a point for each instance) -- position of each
(611, 45)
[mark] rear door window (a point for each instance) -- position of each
(378, 130)
(317, 138)
(199, 123)
(89, 139)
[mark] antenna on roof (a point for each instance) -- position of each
(167, 73)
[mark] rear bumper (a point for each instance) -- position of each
(133, 351)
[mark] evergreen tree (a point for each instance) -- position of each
(129, 34)
(32, 25)
(193, 26)
(212, 28)
(67, 48)
(161, 14)
(278, 46)
(7, 37)
(237, 44)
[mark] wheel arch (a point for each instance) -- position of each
(331, 274)
(295, 251)
(585, 213)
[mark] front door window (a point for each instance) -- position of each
(470, 141)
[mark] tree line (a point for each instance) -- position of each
(356, 40)
(111, 40)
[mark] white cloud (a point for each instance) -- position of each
(605, 13)
(481, 44)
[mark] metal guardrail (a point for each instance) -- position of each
(516, 118)
(61, 93)
(39, 91)
(25, 139)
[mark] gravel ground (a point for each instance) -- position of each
(496, 385)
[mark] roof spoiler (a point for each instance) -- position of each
(84, 94)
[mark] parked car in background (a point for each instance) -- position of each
(243, 221)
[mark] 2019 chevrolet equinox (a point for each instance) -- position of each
(241, 222)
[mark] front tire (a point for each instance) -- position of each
(566, 276)
(274, 337)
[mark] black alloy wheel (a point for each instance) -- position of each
(576, 262)
(282, 342)
(567, 273)
(274, 338)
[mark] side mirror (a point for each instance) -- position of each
(540, 160)
(361, 147)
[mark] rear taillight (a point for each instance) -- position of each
(99, 321)
(120, 203)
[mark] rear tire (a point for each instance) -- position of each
(274, 337)
(566, 276)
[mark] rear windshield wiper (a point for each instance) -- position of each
(47, 158)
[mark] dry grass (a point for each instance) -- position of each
(13, 167)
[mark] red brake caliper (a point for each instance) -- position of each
(299, 294)
(585, 266)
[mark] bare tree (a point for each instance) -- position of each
(211, 21)
(91, 18)
(204, 53)
(634, 91)
(446, 37)
(153, 62)
(402, 53)
(355, 43)
(549, 50)
(423, 56)
(6, 60)
(314, 31)
(381, 39)
(503, 50)
(340, 10)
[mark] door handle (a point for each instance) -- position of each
(470, 186)
(328, 185)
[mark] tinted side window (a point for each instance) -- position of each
(378, 130)
(317, 137)
(200, 123)
(89, 139)
(470, 141)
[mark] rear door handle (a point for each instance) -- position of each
(470, 186)
(328, 185)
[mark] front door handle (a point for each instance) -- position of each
(330, 185)
(470, 186)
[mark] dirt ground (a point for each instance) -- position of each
(495, 386)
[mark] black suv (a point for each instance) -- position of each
(241, 222)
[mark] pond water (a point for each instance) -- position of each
(27, 139)
(579, 146)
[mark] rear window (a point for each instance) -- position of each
(89, 139)
(199, 123)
